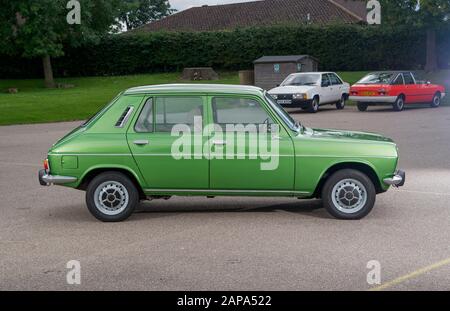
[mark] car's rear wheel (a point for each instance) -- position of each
(111, 197)
(341, 103)
(436, 100)
(348, 194)
(361, 106)
(314, 106)
(399, 103)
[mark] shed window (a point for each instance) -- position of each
(276, 68)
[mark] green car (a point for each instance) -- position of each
(153, 142)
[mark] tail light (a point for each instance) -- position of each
(46, 166)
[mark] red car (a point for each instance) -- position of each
(395, 88)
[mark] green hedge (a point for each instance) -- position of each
(338, 48)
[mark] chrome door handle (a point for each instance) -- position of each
(220, 143)
(141, 142)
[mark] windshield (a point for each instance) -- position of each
(302, 79)
(293, 125)
(377, 78)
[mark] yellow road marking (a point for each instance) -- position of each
(412, 275)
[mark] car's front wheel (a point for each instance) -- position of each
(341, 103)
(436, 100)
(111, 197)
(348, 194)
(314, 106)
(361, 106)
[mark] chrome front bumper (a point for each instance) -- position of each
(397, 180)
(47, 179)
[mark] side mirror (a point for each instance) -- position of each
(278, 85)
(325, 84)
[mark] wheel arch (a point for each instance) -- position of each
(95, 171)
(363, 167)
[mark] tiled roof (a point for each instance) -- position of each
(259, 13)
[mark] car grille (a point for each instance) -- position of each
(284, 96)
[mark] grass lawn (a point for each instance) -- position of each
(36, 104)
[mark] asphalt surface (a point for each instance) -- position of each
(232, 243)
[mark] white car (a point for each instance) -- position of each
(309, 90)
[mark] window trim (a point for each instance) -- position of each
(412, 77)
(403, 78)
(261, 105)
(322, 80)
(155, 111)
(139, 115)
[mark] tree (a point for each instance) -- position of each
(41, 28)
(429, 14)
(136, 13)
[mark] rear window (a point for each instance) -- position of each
(377, 78)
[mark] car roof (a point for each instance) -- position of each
(391, 71)
(195, 88)
(312, 72)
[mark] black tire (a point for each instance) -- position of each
(341, 182)
(399, 103)
(341, 103)
(361, 106)
(314, 105)
(124, 197)
(436, 100)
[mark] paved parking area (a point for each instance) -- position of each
(233, 243)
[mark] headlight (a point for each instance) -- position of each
(274, 96)
(300, 96)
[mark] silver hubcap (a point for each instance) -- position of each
(349, 196)
(315, 104)
(111, 197)
(400, 103)
(437, 101)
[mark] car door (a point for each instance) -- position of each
(412, 92)
(419, 93)
(398, 85)
(336, 87)
(326, 90)
(167, 142)
(247, 156)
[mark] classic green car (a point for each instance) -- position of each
(153, 142)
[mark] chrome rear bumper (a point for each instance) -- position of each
(397, 180)
(47, 179)
(374, 99)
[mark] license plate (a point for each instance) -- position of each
(369, 93)
(284, 101)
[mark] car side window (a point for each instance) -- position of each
(399, 80)
(408, 78)
(144, 123)
(237, 110)
(325, 80)
(334, 79)
(170, 111)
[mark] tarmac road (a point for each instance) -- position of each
(233, 243)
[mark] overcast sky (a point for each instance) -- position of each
(184, 4)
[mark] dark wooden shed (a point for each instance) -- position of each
(272, 70)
